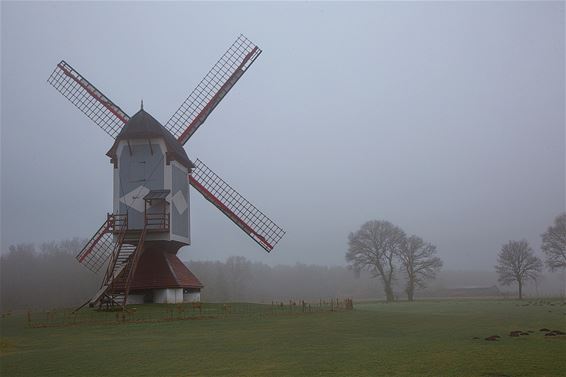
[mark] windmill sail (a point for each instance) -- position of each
(212, 89)
(87, 98)
(244, 214)
(100, 247)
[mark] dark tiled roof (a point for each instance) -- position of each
(159, 269)
(183, 275)
(144, 126)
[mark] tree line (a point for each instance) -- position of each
(48, 276)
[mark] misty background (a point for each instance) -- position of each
(26, 268)
(446, 119)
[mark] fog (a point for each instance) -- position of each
(446, 119)
(26, 267)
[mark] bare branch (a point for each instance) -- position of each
(516, 263)
(554, 244)
(374, 247)
(419, 263)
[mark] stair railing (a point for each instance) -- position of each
(134, 263)
(121, 233)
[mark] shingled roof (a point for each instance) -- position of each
(160, 269)
(144, 126)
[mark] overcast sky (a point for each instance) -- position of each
(446, 119)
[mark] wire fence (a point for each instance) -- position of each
(187, 311)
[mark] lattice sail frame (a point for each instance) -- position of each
(97, 251)
(87, 98)
(212, 89)
(238, 209)
(192, 113)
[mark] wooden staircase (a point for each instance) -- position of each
(116, 284)
(121, 249)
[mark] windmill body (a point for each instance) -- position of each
(137, 244)
(151, 189)
(150, 179)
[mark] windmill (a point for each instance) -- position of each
(138, 242)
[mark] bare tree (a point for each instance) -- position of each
(516, 263)
(374, 247)
(419, 263)
(554, 244)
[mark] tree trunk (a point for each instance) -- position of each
(520, 290)
(410, 292)
(389, 292)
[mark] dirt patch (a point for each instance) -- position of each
(492, 338)
(7, 346)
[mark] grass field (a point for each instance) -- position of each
(426, 338)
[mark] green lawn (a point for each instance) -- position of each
(427, 338)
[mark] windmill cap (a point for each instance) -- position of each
(144, 126)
